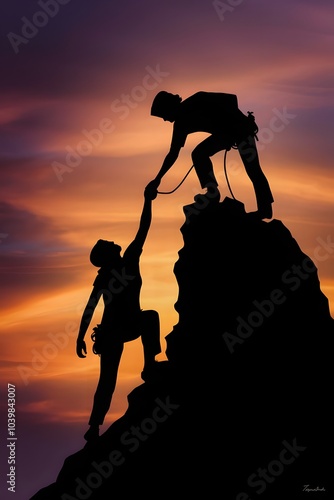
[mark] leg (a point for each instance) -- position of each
(201, 159)
(150, 336)
(249, 155)
(109, 363)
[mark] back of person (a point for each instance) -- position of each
(208, 111)
(121, 291)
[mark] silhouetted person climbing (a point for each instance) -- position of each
(218, 114)
(119, 283)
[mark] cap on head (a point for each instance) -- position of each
(164, 102)
(102, 252)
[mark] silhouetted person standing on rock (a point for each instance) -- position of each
(218, 114)
(119, 283)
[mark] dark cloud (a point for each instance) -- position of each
(27, 232)
(35, 260)
(99, 50)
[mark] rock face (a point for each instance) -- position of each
(242, 406)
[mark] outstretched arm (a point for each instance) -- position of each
(150, 194)
(85, 321)
(168, 162)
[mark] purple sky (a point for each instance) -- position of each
(92, 63)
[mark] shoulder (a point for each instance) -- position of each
(213, 97)
(197, 95)
(192, 103)
(133, 251)
(101, 278)
(193, 98)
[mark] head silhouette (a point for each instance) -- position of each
(165, 105)
(105, 254)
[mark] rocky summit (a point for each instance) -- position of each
(241, 407)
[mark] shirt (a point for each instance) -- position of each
(120, 288)
(212, 112)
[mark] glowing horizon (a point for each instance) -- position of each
(78, 146)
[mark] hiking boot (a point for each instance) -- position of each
(208, 198)
(92, 434)
(266, 212)
(260, 214)
(149, 371)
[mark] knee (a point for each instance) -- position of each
(155, 314)
(150, 313)
(151, 318)
(248, 151)
(198, 155)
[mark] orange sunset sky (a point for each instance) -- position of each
(78, 146)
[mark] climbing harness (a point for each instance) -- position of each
(255, 128)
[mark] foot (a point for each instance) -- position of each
(212, 196)
(260, 214)
(148, 371)
(92, 434)
(266, 212)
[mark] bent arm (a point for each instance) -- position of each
(85, 321)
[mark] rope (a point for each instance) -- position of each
(177, 187)
(250, 116)
(192, 166)
(226, 177)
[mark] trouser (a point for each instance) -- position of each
(249, 156)
(149, 330)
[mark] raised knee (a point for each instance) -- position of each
(154, 315)
(197, 155)
(150, 315)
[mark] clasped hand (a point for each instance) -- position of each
(151, 190)
(81, 348)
